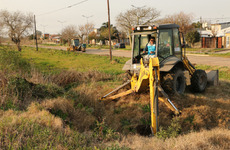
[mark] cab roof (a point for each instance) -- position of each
(155, 26)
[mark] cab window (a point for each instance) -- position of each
(177, 46)
(140, 42)
(165, 45)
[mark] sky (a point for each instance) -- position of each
(53, 15)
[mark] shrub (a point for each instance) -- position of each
(103, 133)
(172, 131)
(11, 61)
(24, 89)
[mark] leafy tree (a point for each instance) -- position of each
(182, 19)
(104, 31)
(193, 37)
(136, 16)
(17, 25)
(92, 35)
(39, 34)
(197, 25)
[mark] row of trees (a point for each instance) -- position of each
(137, 16)
(17, 25)
(148, 16)
(87, 32)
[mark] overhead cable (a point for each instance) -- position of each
(70, 6)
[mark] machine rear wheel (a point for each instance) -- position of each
(199, 81)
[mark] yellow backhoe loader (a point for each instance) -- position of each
(76, 46)
(168, 71)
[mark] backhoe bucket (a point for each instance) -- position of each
(213, 77)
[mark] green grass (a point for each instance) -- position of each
(204, 50)
(224, 72)
(45, 44)
(222, 55)
(50, 60)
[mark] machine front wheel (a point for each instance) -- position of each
(179, 83)
(174, 82)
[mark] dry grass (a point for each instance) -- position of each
(68, 77)
(199, 111)
(67, 102)
(37, 128)
(216, 139)
(78, 119)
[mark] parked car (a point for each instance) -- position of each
(119, 45)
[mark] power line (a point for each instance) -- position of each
(212, 18)
(70, 6)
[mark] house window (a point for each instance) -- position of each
(227, 41)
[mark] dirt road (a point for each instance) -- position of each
(194, 58)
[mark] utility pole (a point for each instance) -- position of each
(110, 49)
(35, 33)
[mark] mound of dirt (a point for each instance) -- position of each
(198, 111)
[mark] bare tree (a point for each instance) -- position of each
(85, 30)
(136, 16)
(214, 30)
(182, 19)
(17, 25)
(1, 27)
(69, 32)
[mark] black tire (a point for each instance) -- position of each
(79, 49)
(174, 83)
(199, 81)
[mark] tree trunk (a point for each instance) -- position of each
(19, 47)
(69, 42)
(130, 40)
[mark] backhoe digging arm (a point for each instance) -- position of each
(148, 77)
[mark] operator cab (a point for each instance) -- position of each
(167, 41)
(75, 42)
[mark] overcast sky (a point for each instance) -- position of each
(50, 22)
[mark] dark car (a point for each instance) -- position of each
(119, 45)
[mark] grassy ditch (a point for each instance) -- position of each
(49, 100)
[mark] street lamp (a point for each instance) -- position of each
(138, 8)
(61, 27)
(87, 17)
